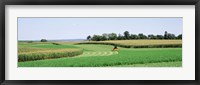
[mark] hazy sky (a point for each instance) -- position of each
(80, 28)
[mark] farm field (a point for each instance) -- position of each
(49, 54)
(139, 43)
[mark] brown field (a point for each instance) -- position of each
(141, 42)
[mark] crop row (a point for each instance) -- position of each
(136, 46)
(48, 54)
(29, 49)
(124, 57)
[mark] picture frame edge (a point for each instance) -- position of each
(3, 3)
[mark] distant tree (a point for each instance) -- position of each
(112, 36)
(89, 37)
(160, 36)
(96, 38)
(43, 40)
(100, 38)
(166, 35)
(151, 36)
(145, 37)
(142, 36)
(105, 36)
(127, 35)
(171, 36)
(120, 37)
(133, 36)
(179, 36)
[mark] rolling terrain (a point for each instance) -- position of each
(70, 54)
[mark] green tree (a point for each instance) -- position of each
(133, 36)
(105, 36)
(112, 36)
(171, 36)
(160, 36)
(43, 40)
(96, 38)
(152, 36)
(120, 37)
(166, 35)
(89, 37)
(127, 35)
(142, 36)
(179, 36)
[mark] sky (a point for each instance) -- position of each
(80, 28)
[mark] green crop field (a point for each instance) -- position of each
(70, 54)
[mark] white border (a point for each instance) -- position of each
(186, 72)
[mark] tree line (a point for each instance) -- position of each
(127, 36)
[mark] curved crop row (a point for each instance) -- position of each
(124, 57)
(49, 54)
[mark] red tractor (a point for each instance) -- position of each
(115, 49)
